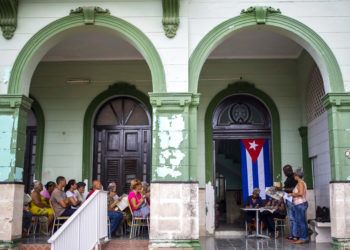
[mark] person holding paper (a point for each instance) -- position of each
(289, 185)
(300, 228)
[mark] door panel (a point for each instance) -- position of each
(114, 141)
(122, 143)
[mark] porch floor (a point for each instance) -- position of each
(207, 243)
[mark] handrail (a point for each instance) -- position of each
(85, 228)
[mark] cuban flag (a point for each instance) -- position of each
(256, 171)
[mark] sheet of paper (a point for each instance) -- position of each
(287, 197)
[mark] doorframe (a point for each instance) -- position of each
(117, 89)
(243, 88)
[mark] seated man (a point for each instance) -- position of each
(96, 185)
(268, 218)
(60, 203)
(115, 217)
(254, 201)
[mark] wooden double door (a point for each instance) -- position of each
(122, 151)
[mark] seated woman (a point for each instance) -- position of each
(49, 187)
(69, 189)
(80, 191)
(268, 218)
(254, 201)
(115, 217)
(137, 202)
(39, 205)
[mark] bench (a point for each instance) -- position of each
(322, 231)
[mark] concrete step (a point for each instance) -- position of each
(229, 233)
(34, 246)
(125, 244)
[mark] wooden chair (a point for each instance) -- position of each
(137, 223)
(58, 220)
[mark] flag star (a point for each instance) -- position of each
(253, 145)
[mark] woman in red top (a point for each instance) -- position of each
(137, 202)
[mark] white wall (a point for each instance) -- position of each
(330, 19)
(318, 139)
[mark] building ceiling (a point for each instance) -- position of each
(95, 44)
(256, 43)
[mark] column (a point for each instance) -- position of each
(338, 108)
(13, 122)
(174, 186)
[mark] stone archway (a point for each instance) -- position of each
(272, 18)
(55, 32)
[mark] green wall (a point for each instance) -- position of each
(64, 106)
(276, 77)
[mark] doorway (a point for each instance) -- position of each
(242, 156)
(122, 135)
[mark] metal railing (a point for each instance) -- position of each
(86, 228)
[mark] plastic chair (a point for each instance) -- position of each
(137, 223)
(280, 223)
(57, 221)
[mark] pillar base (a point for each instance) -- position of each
(11, 207)
(340, 221)
(9, 245)
(175, 244)
(340, 244)
(174, 215)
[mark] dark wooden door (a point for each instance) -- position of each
(122, 143)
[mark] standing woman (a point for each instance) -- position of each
(300, 228)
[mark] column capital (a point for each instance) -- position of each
(336, 99)
(179, 100)
(10, 102)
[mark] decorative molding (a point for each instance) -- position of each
(8, 17)
(89, 13)
(171, 18)
(331, 74)
(21, 74)
(336, 99)
(243, 88)
(174, 99)
(9, 102)
(260, 13)
(119, 88)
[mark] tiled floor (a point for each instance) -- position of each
(211, 243)
(207, 243)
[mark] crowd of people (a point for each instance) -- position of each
(63, 199)
(294, 210)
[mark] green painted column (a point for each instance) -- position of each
(13, 122)
(174, 136)
(174, 187)
(338, 108)
(307, 167)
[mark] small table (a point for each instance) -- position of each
(257, 234)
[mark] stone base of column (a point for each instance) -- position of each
(11, 210)
(174, 215)
(340, 219)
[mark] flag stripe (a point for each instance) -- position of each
(268, 179)
(249, 173)
(261, 175)
(255, 172)
(244, 172)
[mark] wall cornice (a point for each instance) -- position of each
(8, 17)
(171, 18)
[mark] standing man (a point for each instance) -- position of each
(60, 203)
(289, 185)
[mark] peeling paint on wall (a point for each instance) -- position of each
(7, 155)
(170, 135)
